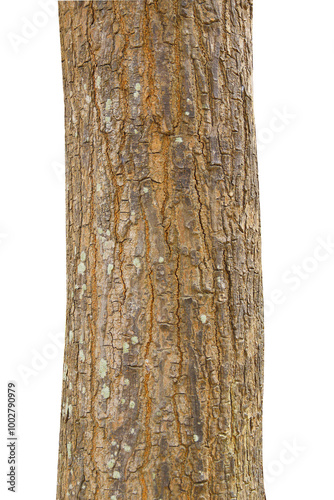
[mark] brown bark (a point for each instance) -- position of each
(163, 368)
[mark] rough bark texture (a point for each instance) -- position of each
(163, 368)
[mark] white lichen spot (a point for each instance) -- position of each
(134, 339)
(111, 463)
(105, 392)
(161, 259)
(136, 131)
(81, 268)
(196, 438)
(122, 401)
(84, 287)
(70, 386)
(137, 86)
(133, 213)
(108, 105)
(110, 268)
(126, 381)
(70, 409)
(88, 98)
(178, 140)
(82, 355)
(188, 100)
(136, 94)
(69, 450)
(108, 232)
(83, 256)
(116, 475)
(126, 447)
(113, 497)
(98, 82)
(103, 368)
(113, 443)
(145, 190)
(187, 113)
(84, 390)
(126, 347)
(203, 318)
(132, 404)
(136, 262)
(107, 119)
(65, 372)
(99, 230)
(98, 187)
(132, 431)
(70, 335)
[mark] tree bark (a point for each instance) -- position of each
(163, 367)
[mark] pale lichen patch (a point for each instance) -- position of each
(161, 260)
(136, 262)
(110, 268)
(196, 438)
(145, 190)
(126, 447)
(69, 450)
(178, 140)
(203, 318)
(116, 475)
(82, 355)
(127, 381)
(108, 104)
(132, 404)
(136, 94)
(111, 463)
(137, 86)
(98, 187)
(83, 256)
(70, 336)
(98, 82)
(81, 268)
(134, 339)
(88, 99)
(105, 392)
(126, 347)
(103, 368)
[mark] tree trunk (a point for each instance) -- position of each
(163, 368)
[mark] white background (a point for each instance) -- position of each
(293, 82)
